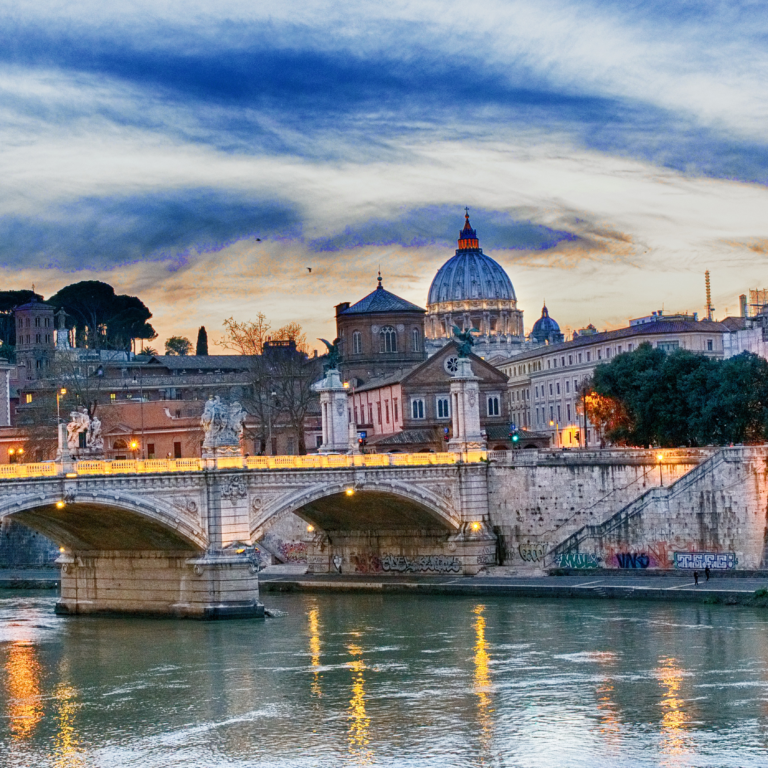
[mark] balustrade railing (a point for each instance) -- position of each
(312, 461)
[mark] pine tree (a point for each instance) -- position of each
(202, 341)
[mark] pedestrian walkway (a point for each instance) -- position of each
(671, 588)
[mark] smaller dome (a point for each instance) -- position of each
(545, 329)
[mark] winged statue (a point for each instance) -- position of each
(334, 355)
(465, 340)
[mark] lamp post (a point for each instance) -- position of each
(556, 425)
(659, 460)
(59, 394)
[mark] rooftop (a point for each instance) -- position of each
(381, 300)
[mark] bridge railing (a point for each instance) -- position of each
(311, 461)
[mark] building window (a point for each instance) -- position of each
(493, 405)
(417, 408)
(558, 387)
(378, 412)
(27, 322)
(668, 346)
(386, 411)
(709, 345)
(551, 392)
(318, 441)
(37, 322)
(113, 396)
(579, 356)
(589, 356)
(28, 397)
(387, 339)
(415, 339)
(562, 361)
(150, 450)
(599, 355)
(559, 413)
(630, 347)
(177, 450)
(551, 413)
(357, 343)
(443, 407)
(548, 363)
(394, 410)
(370, 413)
(567, 386)
(568, 411)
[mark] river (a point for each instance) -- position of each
(398, 680)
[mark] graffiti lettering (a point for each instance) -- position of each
(294, 551)
(366, 563)
(633, 560)
(716, 561)
(434, 563)
(577, 560)
(532, 553)
(487, 559)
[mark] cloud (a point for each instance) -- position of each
(440, 225)
(97, 233)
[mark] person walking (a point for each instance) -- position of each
(706, 573)
(696, 578)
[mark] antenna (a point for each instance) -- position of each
(710, 308)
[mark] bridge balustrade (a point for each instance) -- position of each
(311, 461)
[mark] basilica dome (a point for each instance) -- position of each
(545, 329)
(470, 275)
(472, 291)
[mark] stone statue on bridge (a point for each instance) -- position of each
(91, 444)
(223, 426)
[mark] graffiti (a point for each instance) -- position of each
(577, 560)
(293, 551)
(715, 561)
(487, 556)
(532, 553)
(337, 560)
(434, 563)
(366, 563)
(633, 560)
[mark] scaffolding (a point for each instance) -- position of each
(758, 301)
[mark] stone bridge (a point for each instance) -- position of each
(164, 536)
(177, 537)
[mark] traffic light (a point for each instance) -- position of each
(446, 434)
(514, 435)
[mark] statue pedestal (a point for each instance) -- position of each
(333, 404)
(465, 410)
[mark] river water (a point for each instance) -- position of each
(388, 680)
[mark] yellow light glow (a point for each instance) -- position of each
(239, 551)
(314, 649)
(659, 457)
(71, 474)
(674, 721)
(346, 385)
(551, 423)
(475, 526)
(310, 528)
(23, 682)
(482, 680)
(21, 450)
(359, 722)
(11, 451)
(61, 549)
(60, 505)
(134, 445)
(349, 491)
(63, 390)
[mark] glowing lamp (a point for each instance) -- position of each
(349, 491)
(61, 549)
(134, 445)
(60, 504)
(310, 528)
(11, 451)
(659, 457)
(475, 526)
(63, 391)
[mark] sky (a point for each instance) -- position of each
(203, 155)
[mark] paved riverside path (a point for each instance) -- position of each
(589, 585)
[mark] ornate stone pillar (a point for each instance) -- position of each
(465, 411)
(334, 406)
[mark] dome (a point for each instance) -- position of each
(470, 274)
(545, 329)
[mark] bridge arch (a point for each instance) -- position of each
(372, 505)
(111, 520)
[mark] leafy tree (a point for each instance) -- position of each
(679, 399)
(178, 345)
(103, 319)
(202, 341)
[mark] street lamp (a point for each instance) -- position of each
(59, 394)
(660, 459)
(557, 430)
(134, 447)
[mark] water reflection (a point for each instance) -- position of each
(610, 724)
(23, 675)
(314, 649)
(482, 681)
(359, 722)
(674, 721)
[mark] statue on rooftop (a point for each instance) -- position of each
(465, 340)
(334, 355)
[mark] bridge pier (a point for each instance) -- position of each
(213, 585)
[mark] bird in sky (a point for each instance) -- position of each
(309, 269)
